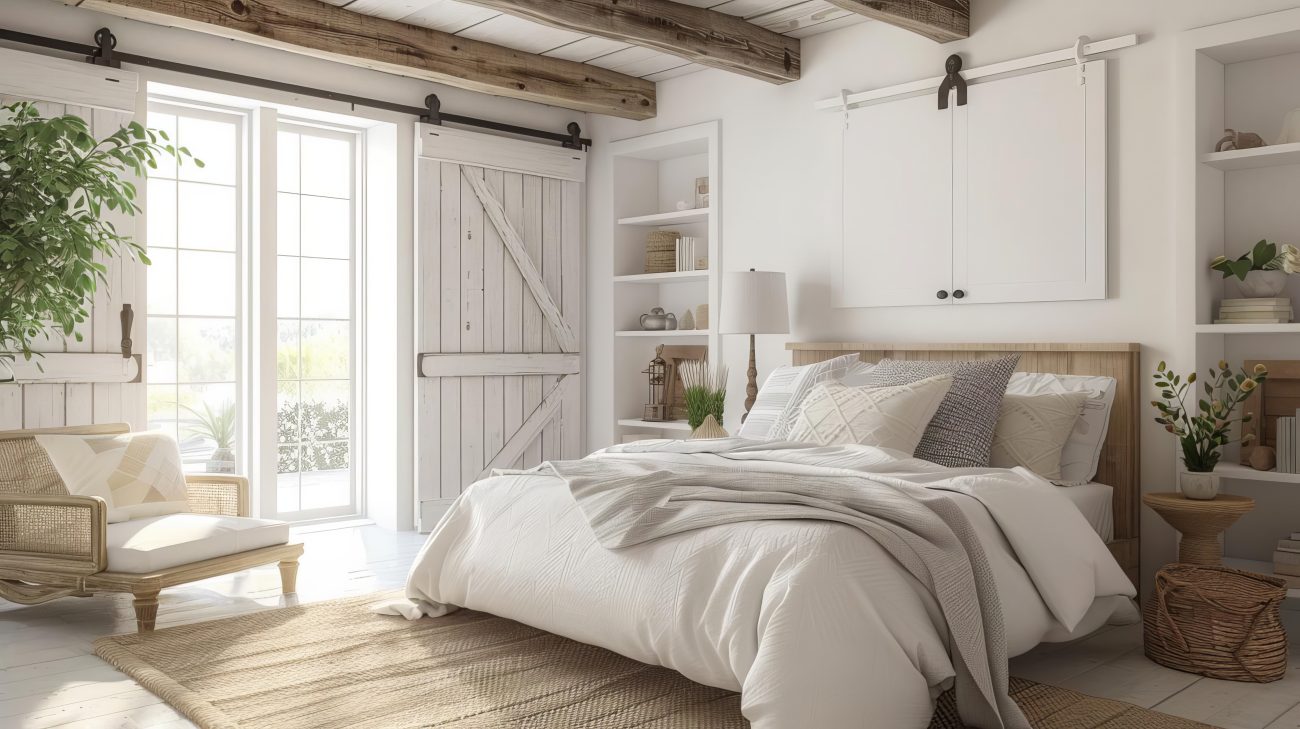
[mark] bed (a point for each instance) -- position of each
(813, 621)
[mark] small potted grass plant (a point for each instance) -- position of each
(217, 426)
(1202, 419)
(706, 395)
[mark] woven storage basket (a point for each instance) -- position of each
(1217, 622)
(661, 251)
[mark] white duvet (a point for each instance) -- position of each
(812, 621)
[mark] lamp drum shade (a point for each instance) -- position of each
(754, 302)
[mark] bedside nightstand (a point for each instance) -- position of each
(1200, 522)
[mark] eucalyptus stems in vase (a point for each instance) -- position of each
(706, 395)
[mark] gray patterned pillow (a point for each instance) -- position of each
(960, 434)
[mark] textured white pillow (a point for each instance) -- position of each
(885, 417)
(777, 404)
(1082, 451)
(138, 474)
(1032, 431)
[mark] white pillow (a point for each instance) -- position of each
(1032, 431)
(1082, 451)
(777, 405)
(885, 417)
(138, 474)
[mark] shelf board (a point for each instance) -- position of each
(658, 278)
(1246, 473)
(1256, 565)
(655, 425)
(1245, 159)
(1292, 328)
(676, 217)
(669, 333)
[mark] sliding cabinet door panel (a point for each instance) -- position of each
(897, 205)
(1029, 171)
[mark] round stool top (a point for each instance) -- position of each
(1178, 502)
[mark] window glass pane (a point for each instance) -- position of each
(326, 480)
(286, 220)
(288, 414)
(324, 287)
(206, 217)
(162, 408)
(286, 147)
(207, 350)
(160, 213)
(162, 281)
(201, 411)
(325, 350)
(325, 410)
(286, 356)
(206, 283)
(216, 143)
(160, 357)
(166, 162)
(326, 166)
(286, 286)
(326, 227)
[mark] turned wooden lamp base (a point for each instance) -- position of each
(751, 388)
(1200, 522)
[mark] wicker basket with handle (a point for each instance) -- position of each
(661, 251)
(1217, 622)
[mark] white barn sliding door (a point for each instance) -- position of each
(499, 245)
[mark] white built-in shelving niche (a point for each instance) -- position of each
(651, 174)
(1243, 75)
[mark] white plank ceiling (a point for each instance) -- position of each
(795, 18)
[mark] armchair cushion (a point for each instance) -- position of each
(156, 543)
(138, 474)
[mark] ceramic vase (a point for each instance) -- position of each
(1290, 128)
(709, 428)
(1198, 485)
(1262, 284)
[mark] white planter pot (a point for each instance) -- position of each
(1262, 284)
(1198, 485)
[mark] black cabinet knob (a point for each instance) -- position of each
(941, 294)
(959, 294)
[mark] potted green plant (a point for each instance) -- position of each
(705, 390)
(1262, 272)
(219, 427)
(56, 184)
(1204, 426)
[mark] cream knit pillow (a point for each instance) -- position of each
(1032, 431)
(885, 417)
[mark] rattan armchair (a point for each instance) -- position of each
(52, 544)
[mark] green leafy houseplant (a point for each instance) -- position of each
(1265, 256)
(1204, 427)
(705, 391)
(57, 183)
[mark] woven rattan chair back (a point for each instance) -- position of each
(25, 468)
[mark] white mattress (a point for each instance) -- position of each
(1095, 502)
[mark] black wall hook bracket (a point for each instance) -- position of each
(105, 42)
(575, 137)
(952, 81)
(433, 109)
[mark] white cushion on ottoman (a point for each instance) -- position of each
(148, 545)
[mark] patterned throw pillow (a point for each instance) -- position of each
(885, 417)
(138, 474)
(960, 434)
(1032, 431)
(1082, 452)
(777, 405)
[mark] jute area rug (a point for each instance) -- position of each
(335, 664)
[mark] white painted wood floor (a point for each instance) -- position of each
(50, 678)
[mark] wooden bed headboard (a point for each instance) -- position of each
(1120, 465)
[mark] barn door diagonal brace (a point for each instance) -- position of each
(532, 427)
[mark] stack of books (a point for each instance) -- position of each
(1285, 445)
(688, 258)
(1286, 560)
(1255, 311)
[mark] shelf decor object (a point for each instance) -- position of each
(1268, 403)
(753, 302)
(661, 251)
(1217, 622)
(656, 407)
(1199, 521)
(705, 390)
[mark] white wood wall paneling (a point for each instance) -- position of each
(428, 251)
(450, 472)
(542, 417)
(494, 340)
(533, 326)
(571, 238)
(513, 296)
(471, 387)
(65, 81)
(551, 340)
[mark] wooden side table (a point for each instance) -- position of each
(1200, 522)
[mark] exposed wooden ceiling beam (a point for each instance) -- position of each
(707, 37)
(317, 29)
(938, 20)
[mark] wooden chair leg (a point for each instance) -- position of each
(146, 610)
(289, 576)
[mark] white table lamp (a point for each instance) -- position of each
(753, 302)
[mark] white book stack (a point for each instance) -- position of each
(1286, 560)
(1255, 311)
(1285, 443)
(686, 253)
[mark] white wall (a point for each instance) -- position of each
(779, 193)
(389, 381)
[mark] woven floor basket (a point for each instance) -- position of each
(661, 251)
(1217, 622)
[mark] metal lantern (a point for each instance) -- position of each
(657, 378)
